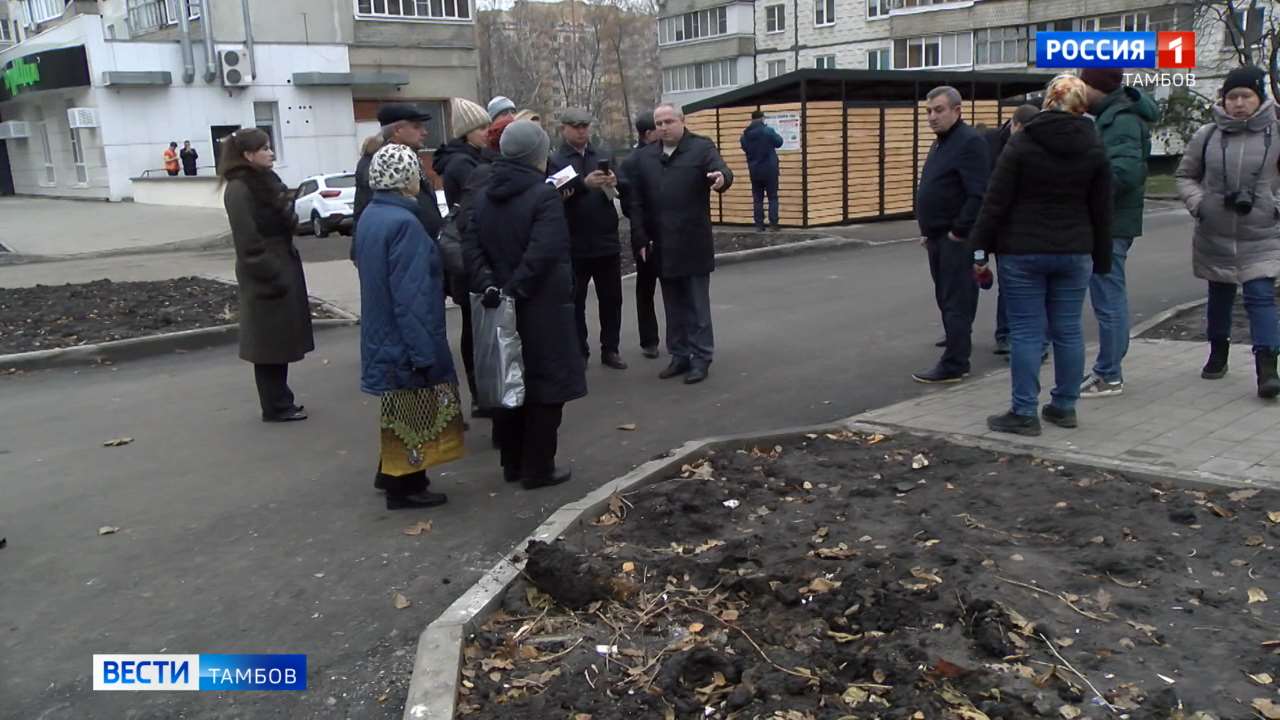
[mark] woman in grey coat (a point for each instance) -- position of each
(1228, 180)
(275, 314)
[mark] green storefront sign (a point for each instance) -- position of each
(21, 74)
(48, 70)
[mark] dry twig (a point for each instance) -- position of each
(1052, 594)
(1078, 674)
(754, 644)
(558, 655)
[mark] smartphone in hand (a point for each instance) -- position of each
(603, 166)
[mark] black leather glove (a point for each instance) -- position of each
(492, 298)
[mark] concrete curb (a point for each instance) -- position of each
(433, 688)
(140, 347)
(221, 241)
(1163, 316)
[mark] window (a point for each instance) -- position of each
(825, 62)
(307, 188)
(881, 59)
(952, 50)
(1000, 46)
(414, 9)
(39, 11)
(774, 68)
(341, 181)
(1056, 26)
(824, 12)
(1251, 22)
(148, 15)
(266, 117)
(877, 8)
(42, 127)
(693, 26)
(1129, 22)
(775, 18)
(6, 31)
(683, 78)
(77, 151)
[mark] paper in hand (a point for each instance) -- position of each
(563, 177)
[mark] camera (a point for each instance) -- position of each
(1238, 201)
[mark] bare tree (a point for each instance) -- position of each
(1249, 27)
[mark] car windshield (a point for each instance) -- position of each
(341, 181)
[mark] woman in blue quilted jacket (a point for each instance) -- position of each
(404, 346)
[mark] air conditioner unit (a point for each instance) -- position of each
(235, 67)
(82, 117)
(14, 130)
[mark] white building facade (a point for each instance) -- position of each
(705, 48)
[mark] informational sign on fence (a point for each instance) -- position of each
(788, 126)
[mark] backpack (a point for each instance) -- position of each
(450, 243)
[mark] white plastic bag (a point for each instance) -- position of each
(498, 354)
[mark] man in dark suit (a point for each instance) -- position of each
(671, 221)
(947, 202)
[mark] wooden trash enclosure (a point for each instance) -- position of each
(863, 138)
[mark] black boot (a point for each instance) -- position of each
(1216, 367)
(556, 477)
(1268, 381)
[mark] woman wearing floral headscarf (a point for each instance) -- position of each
(404, 347)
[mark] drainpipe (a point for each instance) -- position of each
(248, 40)
(210, 55)
(188, 54)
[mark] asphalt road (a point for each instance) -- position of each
(235, 536)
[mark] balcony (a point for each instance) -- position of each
(40, 11)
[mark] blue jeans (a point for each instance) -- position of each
(1111, 307)
(1259, 301)
(1040, 290)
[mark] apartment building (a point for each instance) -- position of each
(93, 92)
(705, 47)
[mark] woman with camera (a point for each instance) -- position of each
(1227, 179)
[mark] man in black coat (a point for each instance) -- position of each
(593, 233)
(402, 124)
(671, 220)
(646, 269)
(947, 202)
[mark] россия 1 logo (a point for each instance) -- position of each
(1164, 50)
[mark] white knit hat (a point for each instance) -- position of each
(467, 116)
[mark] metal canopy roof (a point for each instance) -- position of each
(874, 86)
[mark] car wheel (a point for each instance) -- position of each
(317, 226)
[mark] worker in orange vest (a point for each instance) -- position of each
(171, 159)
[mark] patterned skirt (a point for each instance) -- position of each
(421, 428)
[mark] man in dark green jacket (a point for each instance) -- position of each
(1123, 116)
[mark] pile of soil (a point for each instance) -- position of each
(847, 576)
(45, 317)
(1190, 325)
(726, 240)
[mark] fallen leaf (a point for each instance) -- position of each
(381, 698)
(1103, 600)
(629, 427)
(729, 615)
(854, 696)
(495, 676)
(117, 442)
(819, 585)
(400, 601)
(876, 438)
(1274, 517)
(1070, 712)
(807, 485)
(1261, 678)
(628, 567)
(1269, 709)
(606, 520)
(923, 574)
(1097, 540)
(418, 528)
(1256, 595)
(616, 505)
(1220, 511)
(1065, 642)
(708, 545)
(1254, 541)
(108, 530)
(842, 638)
(731, 504)
(1016, 557)
(696, 628)
(879, 677)
(528, 652)
(919, 461)
(495, 663)
(1240, 495)
(839, 552)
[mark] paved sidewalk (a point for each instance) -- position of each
(58, 228)
(1168, 421)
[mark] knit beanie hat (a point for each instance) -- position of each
(526, 142)
(1104, 80)
(499, 105)
(467, 116)
(1249, 77)
(495, 130)
(393, 168)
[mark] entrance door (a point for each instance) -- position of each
(6, 173)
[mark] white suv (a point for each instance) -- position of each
(324, 202)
